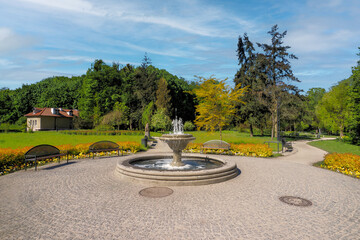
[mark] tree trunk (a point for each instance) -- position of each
(274, 125)
(341, 129)
(262, 131)
(251, 131)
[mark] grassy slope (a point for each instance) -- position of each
(19, 140)
(336, 146)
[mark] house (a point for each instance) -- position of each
(42, 119)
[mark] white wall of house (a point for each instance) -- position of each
(48, 123)
(33, 123)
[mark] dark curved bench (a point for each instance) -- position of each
(43, 151)
(215, 144)
(104, 146)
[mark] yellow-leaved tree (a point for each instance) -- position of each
(217, 103)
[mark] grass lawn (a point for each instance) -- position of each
(332, 146)
(228, 136)
(234, 137)
(20, 140)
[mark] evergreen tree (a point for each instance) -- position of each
(278, 72)
(163, 98)
(249, 75)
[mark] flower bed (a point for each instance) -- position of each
(13, 159)
(346, 163)
(107, 132)
(249, 149)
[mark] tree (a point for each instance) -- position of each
(333, 110)
(354, 104)
(160, 121)
(217, 103)
(313, 97)
(278, 72)
(163, 98)
(249, 75)
(146, 115)
(117, 117)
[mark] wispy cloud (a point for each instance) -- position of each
(78, 6)
(10, 41)
(42, 38)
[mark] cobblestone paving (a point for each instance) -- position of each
(86, 200)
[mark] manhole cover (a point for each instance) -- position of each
(295, 201)
(156, 192)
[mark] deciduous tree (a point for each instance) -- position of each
(217, 103)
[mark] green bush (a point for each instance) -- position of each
(189, 126)
(103, 127)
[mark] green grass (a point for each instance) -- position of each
(20, 140)
(234, 137)
(228, 136)
(332, 146)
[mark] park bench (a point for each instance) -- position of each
(287, 145)
(41, 152)
(104, 146)
(284, 144)
(215, 144)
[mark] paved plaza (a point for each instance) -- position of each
(86, 199)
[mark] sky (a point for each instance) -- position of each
(45, 38)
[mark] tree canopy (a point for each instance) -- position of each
(100, 92)
(268, 73)
(217, 103)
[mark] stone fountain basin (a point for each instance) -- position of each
(127, 171)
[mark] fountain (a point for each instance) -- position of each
(177, 142)
(164, 169)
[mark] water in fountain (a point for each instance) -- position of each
(178, 127)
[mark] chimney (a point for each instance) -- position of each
(70, 113)
(53, 110)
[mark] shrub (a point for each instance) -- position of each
(104, 127)
(346, 163)
(189, 126)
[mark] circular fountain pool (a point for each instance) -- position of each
(146, 169)
(165, 169)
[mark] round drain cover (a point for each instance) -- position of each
(295, 201)
(156, 192)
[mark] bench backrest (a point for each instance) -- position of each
(104, 145)
(42, 151)
(216, 144)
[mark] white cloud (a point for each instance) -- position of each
(69, 5)
(72, 58)
(7, 64)
(10, 41)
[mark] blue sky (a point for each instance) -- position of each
(44, 38)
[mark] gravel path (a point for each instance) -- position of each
(86, 200)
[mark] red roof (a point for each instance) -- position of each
(48, 112)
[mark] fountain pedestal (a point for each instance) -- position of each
(177, 142)
(176, 162)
